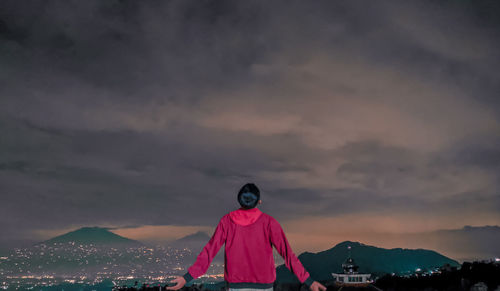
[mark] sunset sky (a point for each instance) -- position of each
(356, 119)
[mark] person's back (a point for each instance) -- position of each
(249, 235)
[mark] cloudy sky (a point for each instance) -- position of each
(355, 118)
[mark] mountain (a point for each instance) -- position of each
(196, 237)
(370, 259)
(93, 235)
(91, 251)
(194, 241)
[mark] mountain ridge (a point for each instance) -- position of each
(93, 235)
(371, 259)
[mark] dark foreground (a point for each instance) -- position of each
(468, 277)
(463, 279)
(277, 287)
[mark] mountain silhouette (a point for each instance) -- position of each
(94, 235)
(370, 259)
(195, 237)
(194, 241)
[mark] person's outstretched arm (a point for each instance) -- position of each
(281, 244)
(204, 259)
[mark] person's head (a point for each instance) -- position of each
(249, 196)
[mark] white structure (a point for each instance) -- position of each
(480, 286)
(351, 275)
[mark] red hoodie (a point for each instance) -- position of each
(249, 236)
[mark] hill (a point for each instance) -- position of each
(370, 259)
(93, 235)
(196, 240)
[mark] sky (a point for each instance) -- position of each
(356, 119)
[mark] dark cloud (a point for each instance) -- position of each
(126, 113)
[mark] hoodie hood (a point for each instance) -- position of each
(244, 216)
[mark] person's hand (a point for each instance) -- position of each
(180, 283)
(317, 286)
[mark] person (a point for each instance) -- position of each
(249, 235)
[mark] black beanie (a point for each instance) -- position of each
(249, 196)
